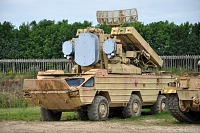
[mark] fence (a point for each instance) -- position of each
(28, 65)
(189, 62)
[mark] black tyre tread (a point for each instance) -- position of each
(172, 105)
(127, 111)
(49, 115)
(156, 108)
(93, 113)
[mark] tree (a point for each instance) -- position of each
(43, 40)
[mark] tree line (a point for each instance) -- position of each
(43, 40)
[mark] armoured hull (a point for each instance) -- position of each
(54, 93)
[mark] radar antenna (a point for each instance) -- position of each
(116, 18)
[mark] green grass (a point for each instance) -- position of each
(173, 71)
(26, 114)
(30, 114)
(33, 114)
(147, 118)
(159, 119)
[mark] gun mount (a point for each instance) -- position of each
(122, 51)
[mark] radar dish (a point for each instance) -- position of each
(68, 48)
(109, 46)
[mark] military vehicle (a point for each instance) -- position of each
(183, 98)
(108, 76)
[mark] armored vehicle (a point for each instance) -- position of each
(183, 98)
(107, 75)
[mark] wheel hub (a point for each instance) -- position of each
(163, 107)
(103, 109)
(135, 107)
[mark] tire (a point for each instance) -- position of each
(133, 108)
(159, 105)
(49, 115)
(83, 115)
(99, 109)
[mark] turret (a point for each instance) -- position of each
(124, 51)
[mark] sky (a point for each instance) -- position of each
(19, 11)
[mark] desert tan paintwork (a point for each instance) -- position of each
(131, 34)
(188, 90)
(51, 91)
(116, 76)
(115, 18)
(137, 52)
(56, 95)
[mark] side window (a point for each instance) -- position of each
(89, 83)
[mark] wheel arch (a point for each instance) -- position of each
(105, 94)
(138, 94)
(159, 93)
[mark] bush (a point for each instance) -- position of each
(11, 93)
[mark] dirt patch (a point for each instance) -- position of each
(90, 127)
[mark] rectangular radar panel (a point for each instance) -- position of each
(86, 49)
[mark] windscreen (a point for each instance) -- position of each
(75, 81)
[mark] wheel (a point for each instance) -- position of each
(99, 109)
(133, 108)
(159, 105)
(49, 115)
(83, 115)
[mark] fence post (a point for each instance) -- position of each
(13, 66)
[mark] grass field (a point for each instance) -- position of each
(33, 114)
(30, 114)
